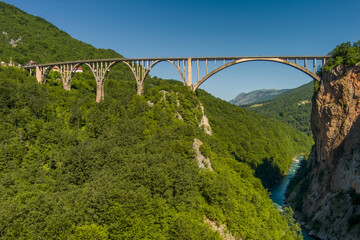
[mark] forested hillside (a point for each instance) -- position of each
(125, 168)
(128, 167)
(25, 37)
(292, 107)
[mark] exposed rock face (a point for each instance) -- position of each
(336, 108)
(151, 104)
(164, 92)
(14, 42)
(331, 204)
(178, 116)
(205, 121)
(202, 161)
(222, 229)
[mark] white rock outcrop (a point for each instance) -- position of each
(14, 42)
(202, 161)
(205, 121)
(222, 229)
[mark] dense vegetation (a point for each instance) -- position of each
(123, 169)
(345, 54)
(38, 40)
(292, 107)
(248, 136)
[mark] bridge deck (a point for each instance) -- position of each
(178, 59)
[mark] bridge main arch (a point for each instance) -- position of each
(277, 60)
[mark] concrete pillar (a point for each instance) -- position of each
(206, 66)
(66, 72)
(38, 74)
(197, 62)
(140, 88)
(100, 70)
(99, 91)
(189, 83)
(67, 85)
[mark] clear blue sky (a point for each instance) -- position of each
(170, 28)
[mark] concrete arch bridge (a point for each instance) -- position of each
(141, 67)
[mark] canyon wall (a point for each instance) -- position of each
(327, 198)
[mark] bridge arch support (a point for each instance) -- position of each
(67, 72)
(41, 73)
(100, 70)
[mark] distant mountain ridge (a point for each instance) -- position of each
(256, 96)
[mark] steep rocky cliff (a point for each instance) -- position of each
(327, 196)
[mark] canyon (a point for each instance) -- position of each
(327, 198)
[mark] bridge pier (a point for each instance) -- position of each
(140, 88)
(189, 75)
(140, 73)
(100, 71)
(100, 91)
(140, 69)
(67, 72)
(40, 73)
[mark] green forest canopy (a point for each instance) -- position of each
(345, 54)
(292, 107)
(124, 169)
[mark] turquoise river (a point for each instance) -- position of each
(278, 191)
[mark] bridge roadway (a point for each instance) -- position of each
(141, 67)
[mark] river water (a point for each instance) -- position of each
(278, 191)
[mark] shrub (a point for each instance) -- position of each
(345, 54)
